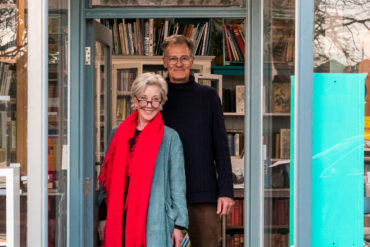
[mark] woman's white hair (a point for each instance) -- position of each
(149, 79)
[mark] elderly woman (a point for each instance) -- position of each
(143, 175)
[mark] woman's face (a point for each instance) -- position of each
(148, 103)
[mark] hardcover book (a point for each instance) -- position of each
(238, 172)
(280, 97)
(240, 99)
(284, 143)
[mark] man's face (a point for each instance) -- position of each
(178, 61)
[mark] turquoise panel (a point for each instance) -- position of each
(338, 159)
(291, 191)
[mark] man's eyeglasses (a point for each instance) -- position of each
(144, 102)
(185, 60)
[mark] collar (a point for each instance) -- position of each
(182, 86)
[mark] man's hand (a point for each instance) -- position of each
(176, 237)
(224, 205)
(101, 229)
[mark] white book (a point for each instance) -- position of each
(165, 29)
(240, 98)
(284, 143)
(237, 144)
(151, 36)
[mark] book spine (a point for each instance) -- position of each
(151, 36)
(122, 40)
(238, 39)
(204, 39)
(227, 43)
(239, 54)
(132, 49)
(125, 36)
(116, 45)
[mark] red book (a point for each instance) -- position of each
(238, 38)
(227, 44)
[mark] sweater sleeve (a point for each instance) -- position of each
(220, 150)
(178, 182)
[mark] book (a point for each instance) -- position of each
(285, 143)
(115, 33)
(277, 146)
(125, 37)
(227, 44)
(237, 166)
(240, 99)
(280, 98)
(186, 241)
(239, 39)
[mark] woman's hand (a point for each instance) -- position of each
(176, 237)
(101, 229)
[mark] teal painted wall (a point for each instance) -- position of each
(337, 160)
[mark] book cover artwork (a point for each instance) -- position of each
(280, 97)
(238, 172)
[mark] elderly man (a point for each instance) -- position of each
(194, 111)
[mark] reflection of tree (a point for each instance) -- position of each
(337, 30)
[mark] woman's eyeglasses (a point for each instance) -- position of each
(144, 102)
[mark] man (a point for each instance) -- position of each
(194, 111)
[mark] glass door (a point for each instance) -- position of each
(278, 66)
(98, 118)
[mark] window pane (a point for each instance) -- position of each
(278, 66)
(169, 3)
(58, 122)
(13, 109)
(342, 45)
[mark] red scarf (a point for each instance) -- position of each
(113, 177)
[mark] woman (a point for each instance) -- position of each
(143, 175)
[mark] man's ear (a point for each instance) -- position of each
(164, 63)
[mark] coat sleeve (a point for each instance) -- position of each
(221, 150)
(177, 181)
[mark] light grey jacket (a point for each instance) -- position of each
(167, 202)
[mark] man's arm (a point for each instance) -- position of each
(225, 200)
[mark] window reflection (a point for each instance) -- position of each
(57, 122)
(170, 3)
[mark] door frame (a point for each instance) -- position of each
(80, 16)
(94, 32)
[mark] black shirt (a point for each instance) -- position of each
(195, 112)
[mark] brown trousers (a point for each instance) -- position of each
(204, 225)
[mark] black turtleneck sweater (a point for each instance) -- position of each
(195, 112)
